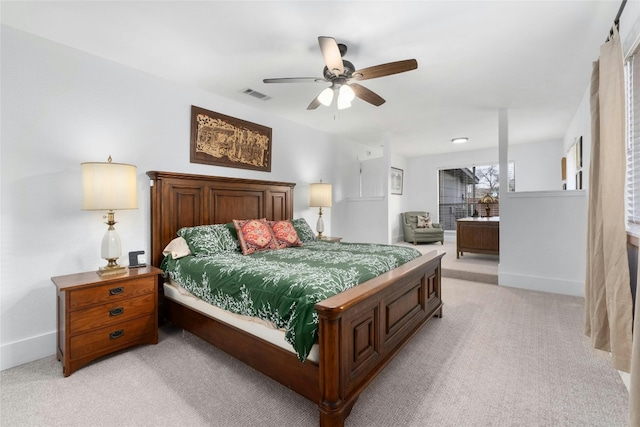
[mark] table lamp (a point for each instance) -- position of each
(109, 186)
(487, 200)
(320, 197)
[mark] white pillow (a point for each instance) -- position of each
(424, 221)
(177, 248)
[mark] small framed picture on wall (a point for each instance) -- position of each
(397, 176)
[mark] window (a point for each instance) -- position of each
(459, 192)
(574, 166)
(632, 81)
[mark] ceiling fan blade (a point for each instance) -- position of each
(314, 104)
(366, 94)
(385, 69)
(331, 54)
(295, 80)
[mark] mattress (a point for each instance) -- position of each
(254, 326)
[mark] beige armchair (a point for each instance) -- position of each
(414, 234)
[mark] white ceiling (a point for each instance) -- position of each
(532, 58)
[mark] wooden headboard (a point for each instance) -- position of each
(183, 200)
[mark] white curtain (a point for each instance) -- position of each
(608, 302)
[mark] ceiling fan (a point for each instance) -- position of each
(343, 76)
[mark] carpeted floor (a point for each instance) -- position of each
(470, 266)
(498, 357)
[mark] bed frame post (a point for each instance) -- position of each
(332, 408)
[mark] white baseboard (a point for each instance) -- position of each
(21, 352)
(545, 284)
(626, 379)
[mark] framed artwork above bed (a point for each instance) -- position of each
(221, 140)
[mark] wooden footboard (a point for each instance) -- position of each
(273, 361)
(363, 328)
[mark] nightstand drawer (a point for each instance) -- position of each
(105, 339)
(112, 313)
(111, 292)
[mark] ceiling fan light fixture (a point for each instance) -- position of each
(339, 72)
(345, 96)
(326, 97)
(460, 140)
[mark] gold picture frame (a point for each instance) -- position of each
(220, 140)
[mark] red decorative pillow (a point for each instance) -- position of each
(285, 233)
(255, 235)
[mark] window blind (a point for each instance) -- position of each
(632, 81)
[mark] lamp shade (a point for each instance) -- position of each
(320, 195)
(488, 199)
(108, 186)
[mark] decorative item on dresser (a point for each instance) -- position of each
(108, 187)
(98, 315)
(320, 197)
(487, 200)
(360, 329)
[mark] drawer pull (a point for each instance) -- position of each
(116, 291)
(116, 311)
(116, 334)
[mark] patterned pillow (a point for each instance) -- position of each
(285, 233)
(209, 239)
(305, 233)
(255, 235)
(424, 221)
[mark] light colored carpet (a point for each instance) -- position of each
(498, 357)
(470, 266)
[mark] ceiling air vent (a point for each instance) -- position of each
(256, 94)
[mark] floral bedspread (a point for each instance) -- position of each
(282, 286)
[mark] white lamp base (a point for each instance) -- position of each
(320, 225)
(108, 270)
(111, 249)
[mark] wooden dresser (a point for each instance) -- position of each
(478, 235)
(98, 315)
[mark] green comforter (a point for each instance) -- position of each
(282, 286)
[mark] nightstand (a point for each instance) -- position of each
(330, 239)
(98, 315)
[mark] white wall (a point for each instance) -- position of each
(421, 178)
(537, 165)
(543, 241)
(542, 234)
(580, 126)
(356, 219)
(398, 202)
(554, 224)
(61, 107)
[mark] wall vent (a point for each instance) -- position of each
(256, 94)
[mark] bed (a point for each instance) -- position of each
(360, 330)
